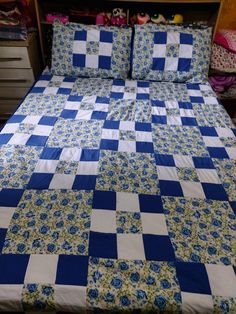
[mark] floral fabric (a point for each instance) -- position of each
(118, 196)
(62, 52)
(186, 59)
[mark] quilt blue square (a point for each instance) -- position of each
(109, 144)
(196, 99)
(160, 38)
(79, 60)
(186, 39)
(233, 205)
(40, 181)
(99, 115)
(3, 233)
(51, 153)
(189, 121)
(193, 278)
(106, 37)
(5, 138)
(203, 163)
(69, 114)
(140, 126)
(109, 124)
(184, 64)
(170, 188)
(13, 268)
(158, 248)
(144, 147)
(159, 119)
(102, 245)
(16, 118)
(90, 155)
(80, 35)
(10, 197)
(72, 270)
(214, 191)
(37, 140)
(158, 64)
(164, 160)
(47, 121)
(104, 200)
(104, 62)
(217, 152)
(208, 131)
(150, 203)
(84, 182)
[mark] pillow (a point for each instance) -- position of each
(227, 39)
(90, 50)
(171, 53)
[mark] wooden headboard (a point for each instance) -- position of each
(192, 11)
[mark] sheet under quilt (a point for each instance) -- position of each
(119, 196)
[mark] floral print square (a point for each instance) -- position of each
(128, 285)
(38, 297)
(226, 169)
(172, 50)
(65, 167)
(224, 305)
(128, 222)
(94, 87)
(209, 115)
(26, 128)
(43, 105)
(92, 47)
(187, 174)
(169, 91)
(50, 222)
(200, 230)
(17, 164)
(127, 172)
(127, 135)
(70, 133)
(129, 110)
(173, 140)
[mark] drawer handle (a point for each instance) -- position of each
(10, 59)
(12, 80)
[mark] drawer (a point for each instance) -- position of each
(11, 93)
(16, 77)
(14, 57)
(8, 107)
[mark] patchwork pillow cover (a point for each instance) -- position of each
(171, 53)
(90, 50)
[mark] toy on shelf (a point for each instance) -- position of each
(50, 17)
(142, 18)
(103, 18)
(175, 19)
(118, 17)
(158, 19)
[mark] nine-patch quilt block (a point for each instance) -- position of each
(119, 195)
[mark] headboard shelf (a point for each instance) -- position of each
(192, 11)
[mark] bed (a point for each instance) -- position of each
(118, 196)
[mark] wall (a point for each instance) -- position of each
(228, 15)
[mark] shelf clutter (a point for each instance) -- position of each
(223, 65)
(120, 12)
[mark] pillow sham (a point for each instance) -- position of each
(171, 53)
(91, 50)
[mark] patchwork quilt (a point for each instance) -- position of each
(118, 196)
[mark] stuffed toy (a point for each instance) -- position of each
(142, 18)
(103, 18)
(118, 17)
(176, 19)
(158, 19)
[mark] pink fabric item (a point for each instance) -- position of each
(227, 39)
(222, 59)
(221, 83)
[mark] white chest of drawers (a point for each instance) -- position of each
(20, 65)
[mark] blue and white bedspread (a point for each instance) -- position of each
(119, 196)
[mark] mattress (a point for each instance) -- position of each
(118, 196)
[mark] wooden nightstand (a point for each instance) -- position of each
(20, 65)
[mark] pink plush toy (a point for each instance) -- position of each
(118, 17)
